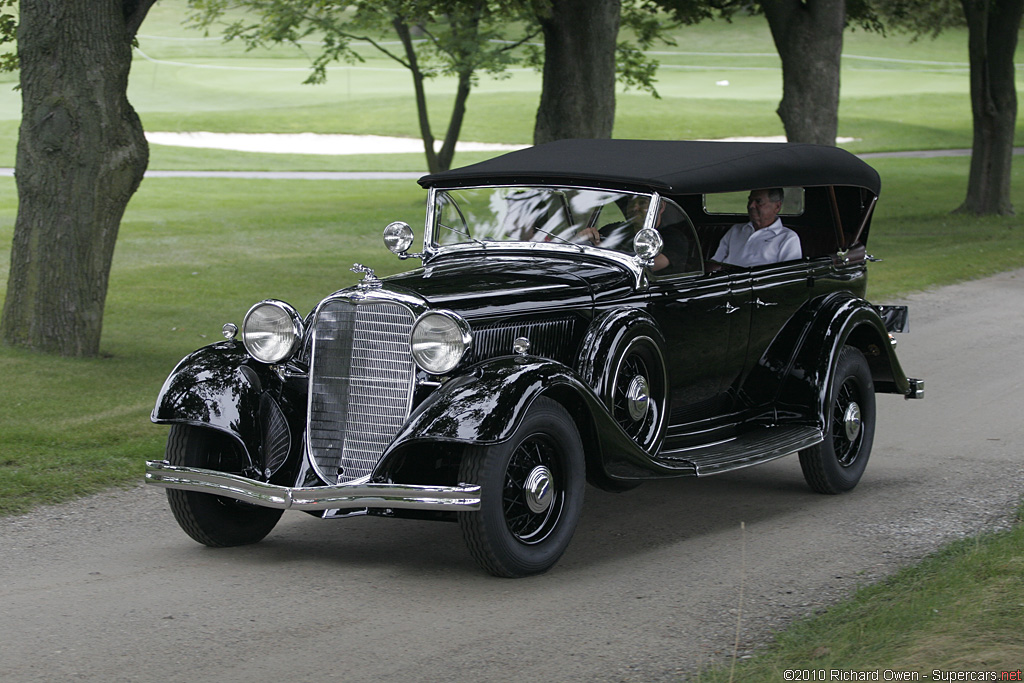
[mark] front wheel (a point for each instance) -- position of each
(531, 494)
(837, 463)
(212, 520)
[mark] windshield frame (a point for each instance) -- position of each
(434, 230)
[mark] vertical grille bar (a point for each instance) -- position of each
(361, 383)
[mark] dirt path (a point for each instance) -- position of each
(109, 589)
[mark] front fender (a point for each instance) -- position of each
(487, 405)
(219, 386)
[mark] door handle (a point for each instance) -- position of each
(763, 304)
(729, 308)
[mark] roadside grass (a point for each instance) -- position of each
(959, 610)
(191, 255)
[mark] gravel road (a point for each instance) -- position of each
(109, 589)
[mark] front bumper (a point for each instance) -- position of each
(465, 497)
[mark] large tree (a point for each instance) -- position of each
(808, 35)
(992, 29)
(577, 97)
(584, 57)
(993, 26)
(81, 155)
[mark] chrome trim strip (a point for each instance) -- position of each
(465, 497)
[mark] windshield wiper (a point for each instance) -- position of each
(464, 233)
(559, 238)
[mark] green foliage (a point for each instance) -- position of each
(8, 34)
(919, 17)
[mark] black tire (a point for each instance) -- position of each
(837, 463)
(215, 521)
(640, 370)
(522, 530)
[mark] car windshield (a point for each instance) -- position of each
(538, 214)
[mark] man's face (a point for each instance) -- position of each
(762, 210)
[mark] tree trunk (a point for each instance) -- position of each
(423, 116)
(992, 40)
(578, 92)
(81, 155)
(447, 153)
(808, 35)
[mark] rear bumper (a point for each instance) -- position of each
(916, 388)
(465, 497)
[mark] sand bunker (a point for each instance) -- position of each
(309, 143)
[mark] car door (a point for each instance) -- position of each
(705, 322)
(776, 293)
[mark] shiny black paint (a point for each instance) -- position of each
(482, 286)
(487, 403)
(221, 387)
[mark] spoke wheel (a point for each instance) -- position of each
(213, 520)
(638, 392)
(837, 463)
(531, 494)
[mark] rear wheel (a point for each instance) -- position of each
(531, 494)
(212, 520)
(837, 463)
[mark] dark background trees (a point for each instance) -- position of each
(81, 155)
(993, 26)
(992, 30)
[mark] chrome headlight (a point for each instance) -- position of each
(439, 339)
(398, 237)
(272, 331)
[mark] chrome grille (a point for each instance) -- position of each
(361, 383)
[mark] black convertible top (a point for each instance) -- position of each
(670, 167)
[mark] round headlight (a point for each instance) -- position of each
(647, 244)
(398, 237)
(271, 331)
(439, 339)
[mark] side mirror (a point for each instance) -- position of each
(398, 237)
(647, 244)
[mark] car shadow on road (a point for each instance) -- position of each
(614, 526)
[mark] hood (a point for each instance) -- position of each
(487, 286)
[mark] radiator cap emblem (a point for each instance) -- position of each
(370, 280)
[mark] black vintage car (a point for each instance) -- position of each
(567, 325)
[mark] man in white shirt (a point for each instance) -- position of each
(763, 239)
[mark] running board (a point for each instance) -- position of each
(751, 448)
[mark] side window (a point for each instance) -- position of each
(735, 203)
(681, 247)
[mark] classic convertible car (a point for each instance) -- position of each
(567, 325)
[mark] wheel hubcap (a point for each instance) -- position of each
(538, 489)
(852, 421)
(637, 396)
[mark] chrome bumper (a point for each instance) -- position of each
(916, 388)
(395, 496)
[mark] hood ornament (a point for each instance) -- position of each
(370, 280)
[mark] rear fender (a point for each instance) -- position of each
(828, 325)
